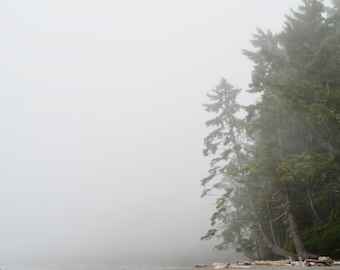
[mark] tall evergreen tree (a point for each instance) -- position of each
(290, 175)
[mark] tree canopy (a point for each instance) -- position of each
(276, 171)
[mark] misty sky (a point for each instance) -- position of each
(102, 123)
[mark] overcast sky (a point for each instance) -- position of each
(102, 124)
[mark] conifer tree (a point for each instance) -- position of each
(288, 173)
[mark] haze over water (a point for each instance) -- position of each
(102, 125)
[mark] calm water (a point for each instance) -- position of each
(90, 267)
(148, 267)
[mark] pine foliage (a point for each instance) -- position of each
(276, 172)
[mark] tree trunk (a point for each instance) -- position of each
(270, 220)
(298, 243)
(274, 248)
(317, 219)
(294, 229)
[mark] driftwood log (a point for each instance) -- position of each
(279, 262)
(221, 265)
(321, 261)
(325, 261)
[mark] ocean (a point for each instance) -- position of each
(153, 267)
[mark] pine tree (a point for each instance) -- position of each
(288, 173)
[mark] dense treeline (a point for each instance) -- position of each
(276, 171)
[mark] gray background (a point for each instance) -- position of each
(102, 124)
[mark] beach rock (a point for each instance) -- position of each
(221, 265)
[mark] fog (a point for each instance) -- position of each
(102, 125)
